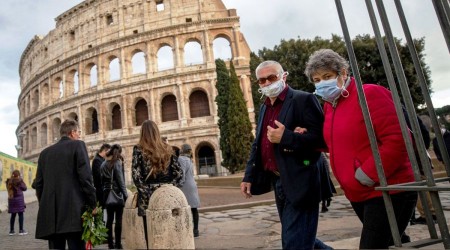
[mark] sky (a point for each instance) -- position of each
(264, 23)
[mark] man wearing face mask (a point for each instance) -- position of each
(286, 161)
(351, 156)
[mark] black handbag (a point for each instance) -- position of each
(114, 199)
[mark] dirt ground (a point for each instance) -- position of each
(213, 196)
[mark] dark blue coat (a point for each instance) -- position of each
(296, 155)
(64, 188)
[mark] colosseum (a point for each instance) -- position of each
(112, 64)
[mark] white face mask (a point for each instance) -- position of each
(274, 89)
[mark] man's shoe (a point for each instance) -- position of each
(23, 232)
(11, 233)
(420, 220)
(196, 233)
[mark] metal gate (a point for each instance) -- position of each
(442, 10)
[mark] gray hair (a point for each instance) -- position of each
(264, 64)
(324, 59)
(67, 126)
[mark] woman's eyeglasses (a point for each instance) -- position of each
(270, 78)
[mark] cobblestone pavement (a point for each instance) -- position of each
(248, 228)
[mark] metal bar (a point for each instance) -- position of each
(441, 8)
(422, 82)
(413, 188)
(423, 86)
(369, 126)
(413, 121)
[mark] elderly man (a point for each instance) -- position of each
(64, 188)
(287, 161)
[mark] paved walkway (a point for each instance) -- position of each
(248, 228)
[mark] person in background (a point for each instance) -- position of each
(112, 174)
(64, 188)
(446, 137)
(96, 163)
(153, 164)
(285, 160)
(16, 202)
(351, 156)
(188, 185)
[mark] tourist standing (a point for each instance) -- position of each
(64, 188)
(16, 201)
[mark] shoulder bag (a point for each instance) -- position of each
(114, 199)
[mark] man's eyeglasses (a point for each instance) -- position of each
(270, 78)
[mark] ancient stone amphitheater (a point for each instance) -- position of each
(112, 64)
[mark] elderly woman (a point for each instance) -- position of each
(351, 157)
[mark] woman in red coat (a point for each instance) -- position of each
(16, 201)
(349, 147)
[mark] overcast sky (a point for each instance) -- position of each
(263, 22)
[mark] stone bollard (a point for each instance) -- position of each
(132, 227)
(169, 220)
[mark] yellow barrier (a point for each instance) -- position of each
(8, 164)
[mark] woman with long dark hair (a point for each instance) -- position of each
(154, 164)
(113, 179)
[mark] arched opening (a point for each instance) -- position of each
(193, 53)
(165, 58)
(91, 121)
(138, 63)
(116, 117)
(43, 135)
(93, 80)
(35, 100)
(198, 104)
(73, 116)
(76, 83)
(45, 95)
(141, 110)
(206, 160)
(114, 69)
(57, 88)
(34, 138)
(56, 124)
(169, 109)
(222, 49)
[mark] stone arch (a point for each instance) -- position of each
(222, 48)
(91, 125)
(165, 57)
(193, 53)
(199, 104)
(206, 159)
(43, 135)
(56, 124)
(35, 100)
(138, 62)
(33, 138)
(141, 112)
(114, 119)
(45, 95)
(169, 108)
(70, 82)
(73, 116)
(114, 68)
(92, 76)
(57, 88)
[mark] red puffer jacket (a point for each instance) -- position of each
(348, 142)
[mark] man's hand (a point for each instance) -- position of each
(245, 189)
(300, 130)
(274, 134)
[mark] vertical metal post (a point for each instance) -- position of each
(415, 126)
(443, 13)
(398, 106)
(369, 126)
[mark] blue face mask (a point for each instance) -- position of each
(328, 89)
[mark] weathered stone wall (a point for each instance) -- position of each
(93, 33)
